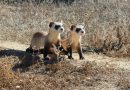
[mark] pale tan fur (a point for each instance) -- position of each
(76, 40)
(37, 41)
(52, 37)
(66, 42)
(72, 40)
(54, 50)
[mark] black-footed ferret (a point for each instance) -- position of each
(73, 41)
(53, 37)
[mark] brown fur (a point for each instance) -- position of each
(50, 39)
(37, 41)
(72, 43)
(55, 56)
(53, 37)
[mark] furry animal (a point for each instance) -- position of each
(53, 37)
(73, 42)
(37, 43)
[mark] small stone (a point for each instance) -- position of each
(17, 86)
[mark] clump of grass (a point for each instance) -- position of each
(123, 83)
(63, 75)
(58, 76)
(7, 77)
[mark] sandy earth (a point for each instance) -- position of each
(13, 45)
(100, 60)
(123, 63)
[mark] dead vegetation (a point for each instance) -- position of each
(107, 31)
(114, 42)
(107, 23)
(63, 75)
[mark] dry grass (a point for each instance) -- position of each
(84, 75)
(107, 25)
(106, 22)
(62, 76)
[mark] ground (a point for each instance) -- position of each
(96, 72)
(107, 25)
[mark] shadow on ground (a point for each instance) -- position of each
(25, 59)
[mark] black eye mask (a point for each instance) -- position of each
(57, 27)
(78, 29)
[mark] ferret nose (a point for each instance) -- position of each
(82, 31)
(61, 29)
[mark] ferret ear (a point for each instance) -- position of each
(51, 24)
(72, 27)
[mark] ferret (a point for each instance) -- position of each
(37, 43)
(73, 41)
(53, 37)
(44, 40)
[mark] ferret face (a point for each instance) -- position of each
(79, 29)
(57, 26)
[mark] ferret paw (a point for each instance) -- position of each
(70, 58)
(29, 50)
(35, 52)
(81, 58)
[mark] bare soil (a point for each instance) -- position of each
(96, 72)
